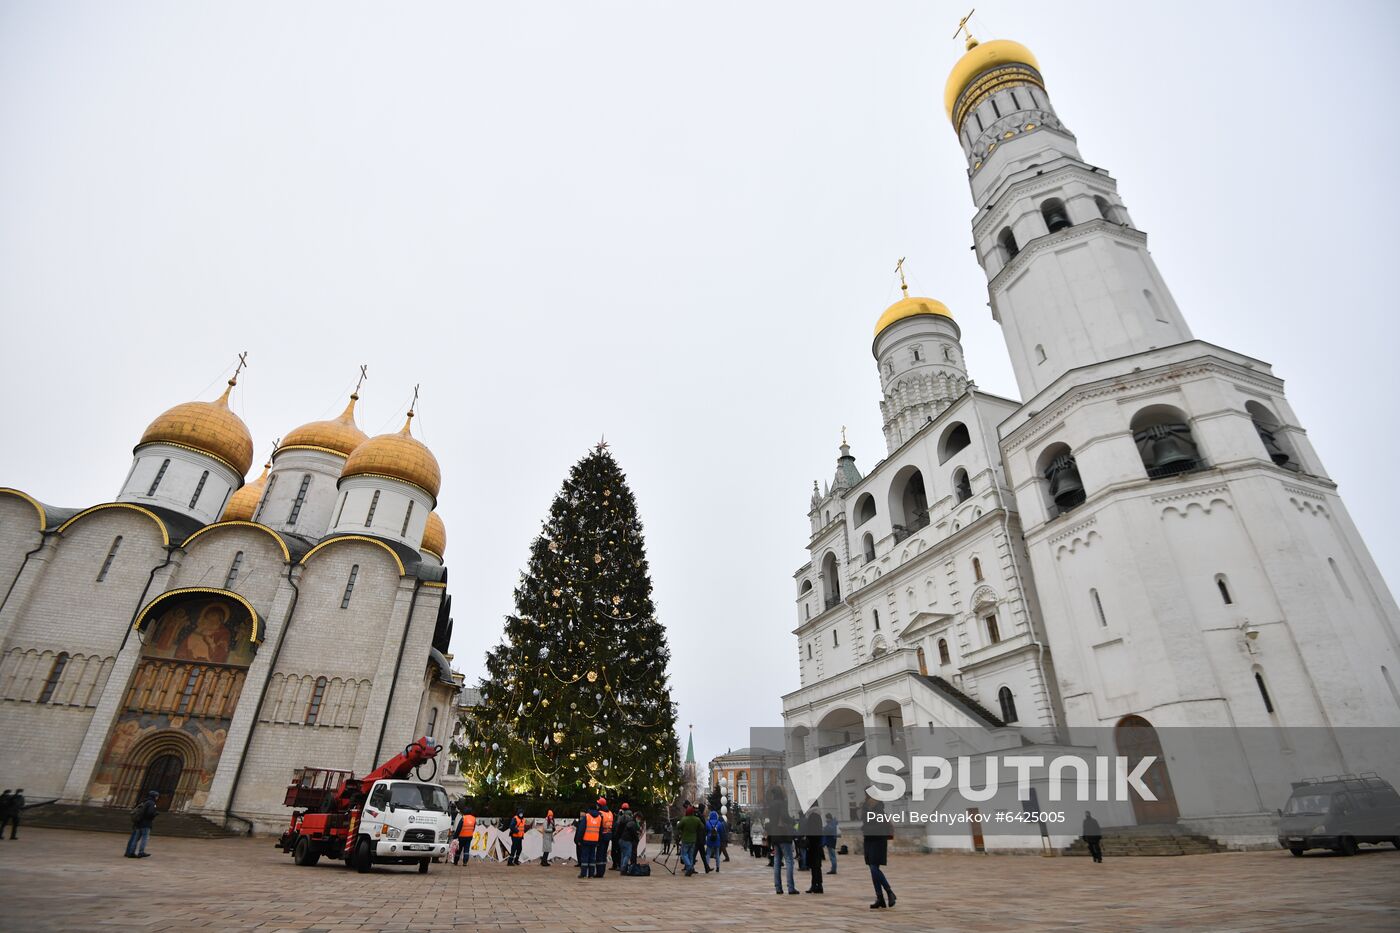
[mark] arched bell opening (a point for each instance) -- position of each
(1062, 488)
(1165, 442)
(1272, 436)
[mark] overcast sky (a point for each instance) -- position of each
(673, 224)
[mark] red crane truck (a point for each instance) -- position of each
(383, 817)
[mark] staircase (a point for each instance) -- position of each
(117, 820)
(1119, 841)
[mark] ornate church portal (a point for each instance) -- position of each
(176, 714)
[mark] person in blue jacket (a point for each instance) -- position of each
(714, 835)
(830, 831)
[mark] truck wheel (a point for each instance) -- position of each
(1296, 851)
(423, 867)
(364, 858)
(1348, 846)
(304, 854)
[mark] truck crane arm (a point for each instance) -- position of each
(396, 768)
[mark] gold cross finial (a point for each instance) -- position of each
(843, 435)
(242, 363)
(899, 268)
(962, 28)
(413, 406)
(364, 374)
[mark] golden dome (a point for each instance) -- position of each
(910, 307)
(208, 427)
(338, 435)
(243, 504)
(435, 536)
(398, 456)
(979, 58)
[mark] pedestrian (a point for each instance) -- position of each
(629, 834)
(666, 833)
(688, 831)
(747, 826)
(517, 836)
(780, 838)
(877, 833)
(601, 854)
(701, 847)
(714, 832)
(1093, 836)
(464, 832)
(5, 799)
(547, 836)
(830, 831)
(12, 813)
(724, 839)
(812, 830)
(142, 816)
(590, 825)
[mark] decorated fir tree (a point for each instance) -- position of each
(575, 700)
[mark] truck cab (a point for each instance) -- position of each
(405, 822)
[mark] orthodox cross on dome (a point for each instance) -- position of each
(903, 285)
(413, 405)
(962, 28)
(843, 435)
(242, 364)
(364, 374)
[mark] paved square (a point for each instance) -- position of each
(63, 880)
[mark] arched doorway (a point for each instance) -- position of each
(1137, 739)
(163, 777)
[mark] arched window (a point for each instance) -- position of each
(1098, 607)
(301, 499)
(1064, 490)
(233, 567)
(313, 709)
(962, 486)
(875, 614)
(865, 509)
(1007, 241)
(111, 556)
(1056, 217)
(199, 488)
(55, 674)
(977, 569)
(373, 504)
(835, 639)
(955, 438)
(831, 582)
(1008, 705)
(943, 656)
(349, 587)
(1165, 443)
(869, 542)
(432, 721)
(993, 630)
(187, 695)
(1271, 435)
(1263, 691)
(160, 475)
(1039, 354)
(809, 651)
(1224, 587)
(908, 503)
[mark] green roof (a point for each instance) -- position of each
(690, 749)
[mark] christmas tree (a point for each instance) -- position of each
(575, 700)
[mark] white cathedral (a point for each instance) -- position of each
(1146, 542)
(202, 637)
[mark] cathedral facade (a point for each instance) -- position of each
(202, 636)
(1144, 554)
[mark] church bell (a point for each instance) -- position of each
(1276, 453)
(1056, 218)
(1166, 448)
(1066, 489)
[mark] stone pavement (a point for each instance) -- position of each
(64, 880)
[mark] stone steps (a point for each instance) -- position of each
(117, 820)
(1123, 844)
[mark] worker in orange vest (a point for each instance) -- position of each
(517, 837)
(466, 831)
(600, 859)
(588, 831)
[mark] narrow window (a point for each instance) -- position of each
(267, 494)
(876, 614)
(1098, 607)
(1039, 354)
(948, 354)
(349, 587)
(160, 475)
(978, 118)
(977, 569)
(808, 607)
(995, 109)
(1336, 572)
(1008, 705)
(1014, 102)
(432, 721)
(1156, 309)
(835, 641)
(313, 709)
(918, 357)
(301, 498)
(341, 511)
(809, 651)
(869, 548)
(943, 656)
(373, 504)
(50, 685)
(198, 488)
(187, 695)
(1007, 241)
(111, 556)
(407, 516)
(1224, 588)
(233, 570)
(993, 632)
(1263, 691)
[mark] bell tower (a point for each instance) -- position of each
(1195, 564)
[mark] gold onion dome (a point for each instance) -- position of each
(910, 307)
(435, 535)
(244, 502)
(398, 456)
(208, 427)
(339, 435)
(980, 57)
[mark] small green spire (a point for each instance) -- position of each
(690, 749)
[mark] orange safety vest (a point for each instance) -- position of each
(468, 827)
(607, 821)
(592, 825)
(517, 829)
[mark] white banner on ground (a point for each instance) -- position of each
(492, 843)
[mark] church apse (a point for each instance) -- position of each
(176, 713)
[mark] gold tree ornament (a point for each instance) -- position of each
(592, 676)
(559, 740)
(597, 558)
(617, 600)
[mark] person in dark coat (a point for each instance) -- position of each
(1093, 836)
(11, 819)
(666, 833)
(830, 830)
(877, 832)
(5, 799)
(141, 819)
(780, 833)
(812, 832)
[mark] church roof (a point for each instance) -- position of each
(690, 750)
(846, 473)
